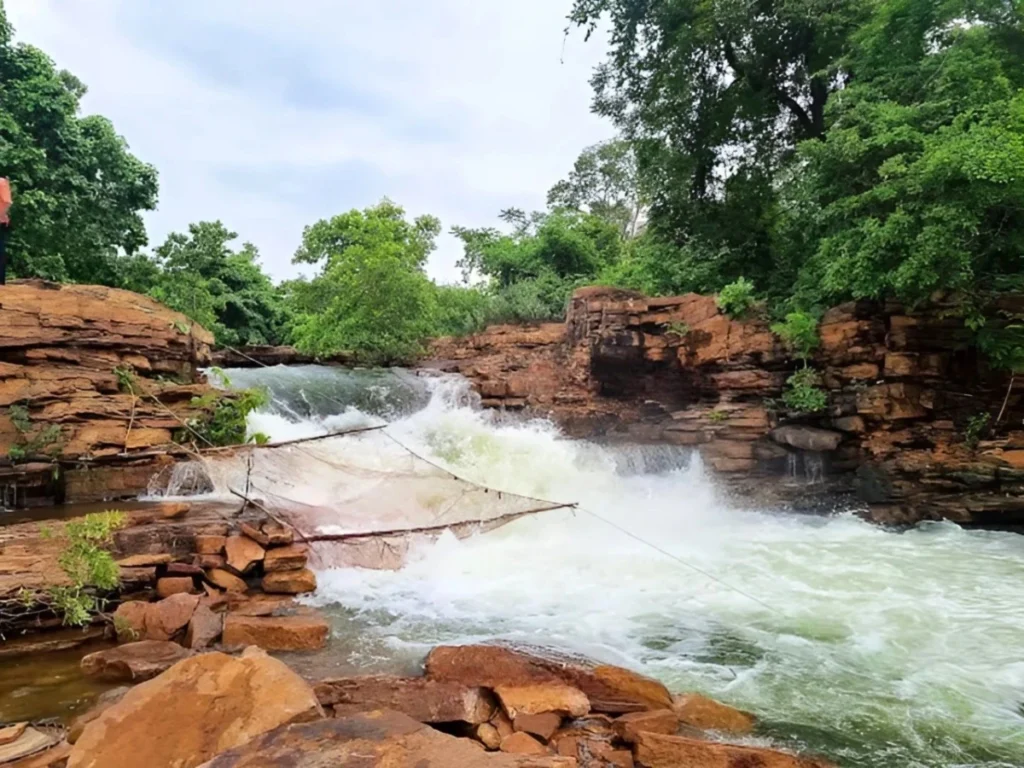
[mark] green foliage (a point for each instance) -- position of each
(800, 332)
(371, 298)
(78, 192)
(717, 416)
(1003, 347)
(88, 565)
(736, 298)
(33, 440)
(223, 421)
(976, 428)
(802, 393)
(678, 328)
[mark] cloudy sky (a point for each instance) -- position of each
(270, 115)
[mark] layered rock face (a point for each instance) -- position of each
(65, 353)
(902, 387)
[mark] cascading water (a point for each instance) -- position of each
(876, 648)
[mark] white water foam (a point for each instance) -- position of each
(880, 648)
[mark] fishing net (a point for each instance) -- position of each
(362, 498)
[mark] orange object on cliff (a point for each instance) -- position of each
(5, 200)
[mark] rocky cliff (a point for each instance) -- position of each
(89, 375)
(902, 388)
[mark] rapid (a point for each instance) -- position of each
(876, 648)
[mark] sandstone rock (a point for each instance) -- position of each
(379, 739)
(428, 701)
(707, 714)
(290, 558)
(521, 743)
(210, 544)
(275, 633)
(608, 688)
(807, 438)
(174, 585)
(23, 750)
(54, 757)
(12, 733)
(269, 533)
(183, 569)
(543, 725)
(135, 662)
(204, 628)
(290, 582)
(488, 735)
(135, 579)
(210, 562)
(853, 424)
(655, 750)
(601, 754)
(242, 553)
(502, 724)
(141, 561)
(197, 709)
(130, 621)
(226, 580)
(630, 725)
(174, 509)
(539, 698)
(103, 701)
(169, 616)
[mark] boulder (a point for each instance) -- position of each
(290, 582)
(629, 726)
(204, 628)
(164, 619)
(174, 585)
(197, 709)
(543, 725)
(709, 715)
(103, 702)
(542, 697)
(656, 750)
(290, 558)
(226, 580)
(608, 688)
(133, 661)
(428, 701)
(488, 735)
(521, 743)
(379, 739)
(242, 553)
(172, 510)
(209, 544)
(275, 633)
(807, 438)
(130, 621)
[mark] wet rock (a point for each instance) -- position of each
(242, 553)
(290, 558)
(379, 739)
(709, 715)
(655, 750)
(543, 725)
(174, 585)
(608, 688)
(164, 619)
(198, 708)
(133, 661)
(103, 701)
(629, 726)
(521, 743)
(428, 701)
(226, 580)
(542, 697)
(807, 438)
(204, 628)
(275, 633)
(290, 582)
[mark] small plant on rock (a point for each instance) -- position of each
(976, 428)
(223, 421)
(678, 328)
(718, 416)
(736, 298)
(33, 440)
(802, 393)
(800, 332)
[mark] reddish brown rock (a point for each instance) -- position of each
(172, 510)
(655, 750)
(542, 726)
(207, 544)
(130, 621)
(133, 661)
(629, 726)
(538, 698)
(290, 558)
(226, 580)
(204, 628)
(12, 733)
(169, 616)
(488, 735)
(502, 724)
(379, 739)
(102, 703)
(210, 562)
(707, 714)
(174, 585)
(521, 743)
(242, 553)
(275, 633)
(427, 701)
(290, 582)
(608, 688)
(197, 709)
(144, 560)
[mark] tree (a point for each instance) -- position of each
(225, 291)
(78, 192)
(604, 182)
(371, 297)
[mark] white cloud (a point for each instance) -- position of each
(270, 116)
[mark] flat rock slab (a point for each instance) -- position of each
(539, 698)
(290, 558)
(699, 711)
(427, 701)
(199, 708)
(133, 661)
(276, 633)
(609, 689)
(243, 553)
(379, 739)
(290, 582)
(655, 750)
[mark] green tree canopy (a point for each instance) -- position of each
(604, 182)
(370, 297)
(78, 192)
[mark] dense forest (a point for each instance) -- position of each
(795, 153)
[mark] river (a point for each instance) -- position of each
(876, 648)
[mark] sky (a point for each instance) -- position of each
(270, 115)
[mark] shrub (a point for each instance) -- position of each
(736, 298)
(976, 427)
(802, 393)
(800, 332)
(33, 441)
(223, 421)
